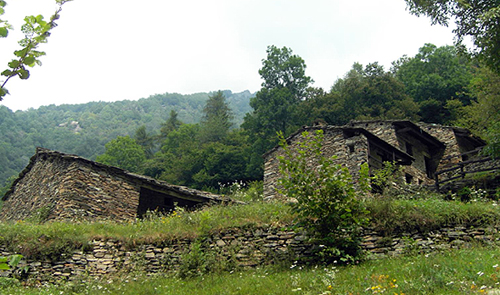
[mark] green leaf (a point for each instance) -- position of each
(7, 73)
(3, 92)
(22, 52)
(3, 3)
(30, 60)
(3, 32)
(24, 74)
(4, 266)
(15, 259)
(3, 259)
(14, 64)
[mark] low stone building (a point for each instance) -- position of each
(67, 187)
(421, 149)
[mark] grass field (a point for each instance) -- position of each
(467, 271)
(471, 271)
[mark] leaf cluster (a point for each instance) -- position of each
(477, 19)
(323, 196)
(36, 31)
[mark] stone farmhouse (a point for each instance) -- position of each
(68, 187)
(422, 149)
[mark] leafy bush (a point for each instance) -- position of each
(326, 202)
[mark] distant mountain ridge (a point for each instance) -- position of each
(84, 129)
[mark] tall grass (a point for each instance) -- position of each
(388, 215)
(472, 271)
(391, 215)
(42, 240)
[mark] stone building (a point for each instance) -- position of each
(421, 149)
(68, 187)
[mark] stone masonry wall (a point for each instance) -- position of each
(382, 129)
(91, 194)
(70, 190)
(447, 136)
(44, 191)
(241, 247)
(351, 152)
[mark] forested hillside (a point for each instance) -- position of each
(84, 129)
(209, 141)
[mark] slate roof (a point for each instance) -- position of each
(182, 192)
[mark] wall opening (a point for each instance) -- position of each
(150, 200)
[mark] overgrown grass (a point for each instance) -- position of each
(389, 215)
(41, 240)
(471, 271)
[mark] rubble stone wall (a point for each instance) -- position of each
(90, 194)
(70, 190)
(447, 136)
(43, 192)
(351, 152)
(240, 248)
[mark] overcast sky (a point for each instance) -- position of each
(121, 49)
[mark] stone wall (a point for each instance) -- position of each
(447, 136)
(350, 152)
(43, 192)
(239, 248)
(382, 129)
(69, 190)
(91, 194)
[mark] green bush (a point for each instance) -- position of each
(326, 202)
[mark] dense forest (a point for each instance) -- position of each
(210, 140)
(84, 129)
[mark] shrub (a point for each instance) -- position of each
(326, 202)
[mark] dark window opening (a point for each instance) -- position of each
(409, 149)
(351, 148)
(408, 178)
(428, 167)
(150, 200)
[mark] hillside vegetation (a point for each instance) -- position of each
(208, 141)
(84, 129)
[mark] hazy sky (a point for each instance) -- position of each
(121, 49)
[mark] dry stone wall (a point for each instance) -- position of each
(69, 190)
(351, 152)
(241, 247)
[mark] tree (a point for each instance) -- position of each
(217, 118)
(324, 197)
(482, 116)
(172, 123)
(274, 106)
(123, 152)
(371, 93)
(281, 69)
(36, 31)
(477, 19)
(145, 140)
(432, 77)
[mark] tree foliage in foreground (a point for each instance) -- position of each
(326, 201)
(36, 31)
(477, 19)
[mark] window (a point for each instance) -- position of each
(428, 167)
(409, 149)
